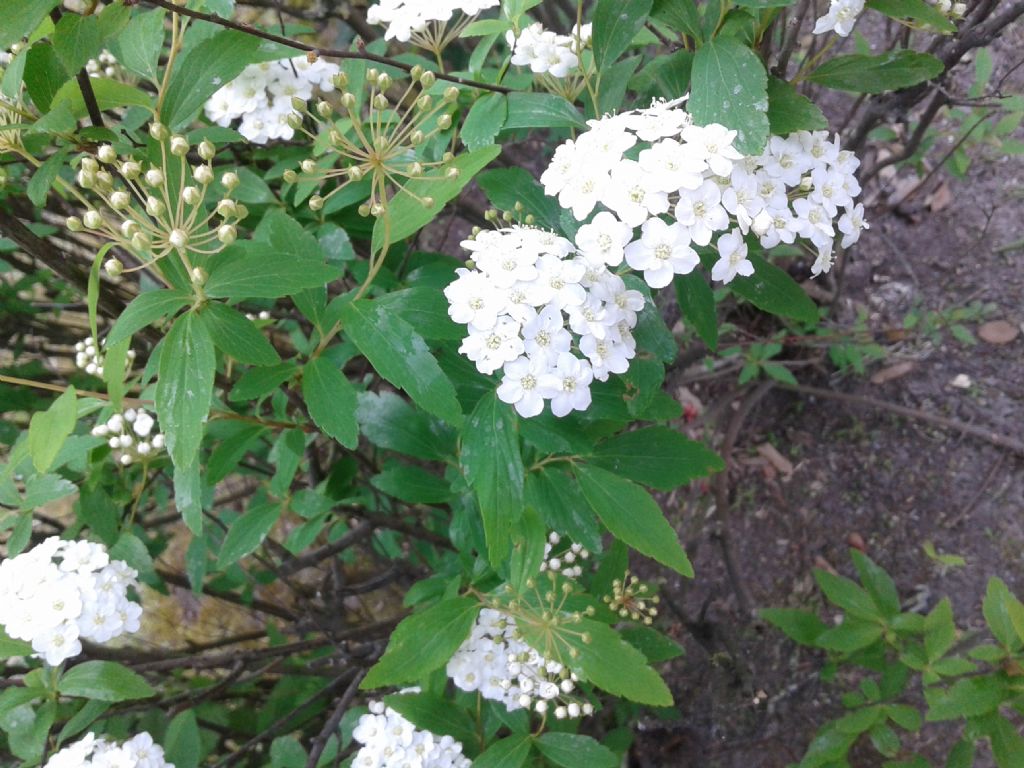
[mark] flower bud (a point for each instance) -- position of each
(294, 121)
(364, 210)
(340, 80)
(447, 157)
(316, 203)
(428, 202)
(348, 101)
(241, 211)
(207, 150)
(416, 169)
(141, 241)
(74, 224)
(427, 79)
(89, 164)
(179, 146)
(92, 220)
(107, 154)
(131, 169)
(203, 174)
(199, 275)
(444, 122)
(229, 180)
(86, 179)
(129, 228)
(416, 73)
(299, 105)
(178, 238)
(451, 93)
(291, 176)
(226, 208)
(308, 166)
(191, 195)
(452, 173)
(384, 81)
(154, 177)
(226, 234)
(113, 267)
(355, 173)
(335, 137)
(806, 184)
(323, 109)
(424, 102)
(157, 131)
(104, 180)
(154, 207)
(377, 209)
(380, 101)
(371, 74)
(416, 138)
(120, 200)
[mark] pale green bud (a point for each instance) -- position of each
(191, 195)
(203, 174)
(229, 180)
(226, 234)
(444, 122)
(178, 238)
(451, 93)
(207, 150)
(158, 131)
(154, 177)
(323, 109)
(226, 208)
(74, 224)
(107, 154)
(92, 220)
(179, 146)
(291, 176)
(316, 203)
(154, 207)
(308, 166)
(89, 164)
(427, 80)
(199, 276)
(120, 200)
(113, 267)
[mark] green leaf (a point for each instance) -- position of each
(207, 67)
(412, 484)
(426, 310)
(236, 336)
(406, 213)
(44, 75)
(104, 681)
(802, 626)
(110, 94)
(916, 10)
(541, 110)
(493, 466)
(390, 422)
(1004, 614)
(423, 642)
(852, 635)
(255, 270)
(248, 532)
(878, 583)
(145, 309)
(331, 400)
(680, 15)
(42, 180)
(847, 595)
(876, 74)
(138, 47)
(76, 39)
(658, 457)
(485, 119)
(697, 303)
(772, 290)
(11, 647)
(510, 752)
(729, 86)
(970, 697)
(48, 429)
(571, 750)
(90, 712)
(631, 515)
(528, 541)
(257, 382)
(400, 355)
(790, 111)
(612, 664)
(505, 187)
(557, 496)
(666, 76)
(435, 714)
(182, 743)
(939, 630)
(184, 388)
(655, 646)
(962, 755)
(616, 23)
(21, 18)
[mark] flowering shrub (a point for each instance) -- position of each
(388, 462)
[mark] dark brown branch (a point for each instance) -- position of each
(331, 726)
(330, 53)
(88, 95)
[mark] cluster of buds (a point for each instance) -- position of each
(385, 146)
(261, 315)
(161, 207)
(630, 599)
(566, 561)
(90, 356)
(131, 435)
(106, 65)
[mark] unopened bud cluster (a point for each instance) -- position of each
(90, 752)
(61, 592)
(106, 65)
(567, 562)
(631, 599)
(91, 357)
(495, 661)
(156, 208)
(379, 142)
(131, 435)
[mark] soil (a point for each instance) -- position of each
(749, 697)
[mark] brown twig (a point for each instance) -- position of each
(316, 749)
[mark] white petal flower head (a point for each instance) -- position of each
(662, 252)
(702, 213)
(474, 300)
(851, 224)
(520, 386)
(634, 195)
(602, 240)
(714, 144)
(140, 751)
(672, 166)
(569, 385)
(841, 17)
(732, 251)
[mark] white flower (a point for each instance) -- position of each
(702, 213)
(662, 251)
(602, 240)
(633, 194)
(130, 434)
(713, 144)
(732, 251)
(521, 385)
(841, 17)
(544, 51)
(568, 386)
(672, 166)
(492, 348)
(851, 224)
(90, 752)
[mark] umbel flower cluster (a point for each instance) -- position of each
(383, 150)
(496, 662)
(547, 52)
(131, 435)
(426, 22)
(567, 562)
(690, 187)
(92, 752)
(61, 592)
(263, 96)
(91, 357)
(551, 318)
(157, 208)
(391, 741)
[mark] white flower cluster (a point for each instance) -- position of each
(949, 8)
(61, 592)
(568, 562)
(91, 752)
(495, 662)
(797, 187)
(131, 435)
(544, 51)
(526, 287)
(841, 17)
(263, 94)
(391, 741)
(104, 65)
(90, 358)
(406, 18)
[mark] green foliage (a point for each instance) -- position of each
(729, 85)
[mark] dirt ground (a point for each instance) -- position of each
(749, 697)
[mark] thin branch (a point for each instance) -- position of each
(331, 726)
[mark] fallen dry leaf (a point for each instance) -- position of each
(822, 564)
(892, 372)
(776, 459)
(856, 541)
(940, 198)
(998, 332)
